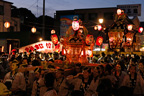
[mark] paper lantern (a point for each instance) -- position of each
(89, 39)
(130, 26)
(7, 24)
(75, 25)
(13, 50)
(99, 40)
(54, 39)
(52, 31)
(119, 11)
(99, 27)
(33, 30)
(140, 30)
(95, 27)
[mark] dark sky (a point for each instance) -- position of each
(53, 5)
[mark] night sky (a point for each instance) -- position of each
(53, 5)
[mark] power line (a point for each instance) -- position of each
(32, 4)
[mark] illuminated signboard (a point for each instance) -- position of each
(43, 46)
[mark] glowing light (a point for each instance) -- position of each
(140, 30)
(130, 27)
(101, 20)
(33, 30)
(82, 53)
(75, 25)
(2, 50)
(10, 48)
(119, 11)
(142, 49)
(95, 27)
(7, 24)
(129, 39)
(52, 31)
(40, 39)
(99, 27)
(64, 51)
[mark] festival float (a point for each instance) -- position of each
(121, 33)
(77, 44)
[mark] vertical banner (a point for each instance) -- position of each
(66, 22)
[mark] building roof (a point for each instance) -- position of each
(96, 8)
(90, 9)
(6, 1)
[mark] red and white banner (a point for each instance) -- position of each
(43, 46)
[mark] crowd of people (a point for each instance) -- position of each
(39, 75)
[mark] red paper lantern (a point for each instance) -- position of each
(140, 30)
(99, 27)
(54, 39)
(13, 50)
(99, 40)
(89, 39)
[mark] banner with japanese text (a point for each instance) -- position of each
(43, 46)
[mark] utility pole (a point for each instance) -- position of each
(43, 30)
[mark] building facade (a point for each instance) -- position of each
(5, 16)
(8, 37)
(89, 19)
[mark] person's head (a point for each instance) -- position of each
(86, 72)
(37, 72)
(78, 67)
(59, 73)
(25, 56)
(14, 65)
(132, 69)
(96, 71)
(118, 67)
(49, 79)
(103, 54)
(141, 64)
(24, 61)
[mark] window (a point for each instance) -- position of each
(1, 10)
(93, 16)
(135, 11)
(129, 11)
(108, 16)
